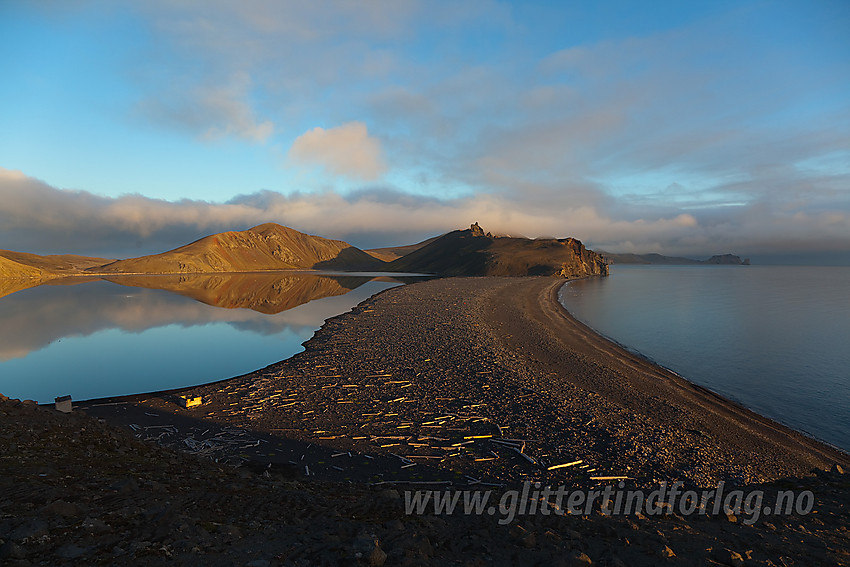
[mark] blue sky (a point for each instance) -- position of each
(674, 127)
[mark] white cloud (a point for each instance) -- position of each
(211, 112)
(345, 150)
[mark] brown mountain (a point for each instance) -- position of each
(265, 293)
(473, 252)
(265, 247)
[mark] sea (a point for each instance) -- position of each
(96, 338)
(775, 339)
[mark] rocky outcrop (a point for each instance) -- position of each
(583, 263)
(475, 252)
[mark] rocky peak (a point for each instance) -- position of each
(476, 230)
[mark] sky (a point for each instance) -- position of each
(688, 128)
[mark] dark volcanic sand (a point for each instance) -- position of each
(422, 375)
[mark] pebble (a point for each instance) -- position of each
(11, 550)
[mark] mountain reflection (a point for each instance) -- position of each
(262, 292)
(264, 303)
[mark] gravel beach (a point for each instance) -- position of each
(459, 383)
(442, 371)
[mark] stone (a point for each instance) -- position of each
(70, 551)
(258, 563)
(390, 494)
(666, 552)
(95, 525)
(11, 550)
(63, 404)
(124, 486)
(579, 559)
(529, 540)
(837, 469)
(377, 557)
(62, 508)
(31, 529)
(728, 557)
(395, 525)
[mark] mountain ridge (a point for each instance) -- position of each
(474, 252)
(264, 247)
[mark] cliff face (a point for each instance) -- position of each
(264, 247)
(474, 252)
(583, 263)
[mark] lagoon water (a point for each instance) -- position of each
(95, 338)
(774, 338)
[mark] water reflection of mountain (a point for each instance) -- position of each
(259, 303)
(267, 293)
(8, 286)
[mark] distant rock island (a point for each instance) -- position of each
(720, 259)
(272, 247)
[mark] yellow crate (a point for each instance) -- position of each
(190, 402)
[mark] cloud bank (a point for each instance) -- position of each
(35, 217)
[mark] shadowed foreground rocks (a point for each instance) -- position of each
(76, 491)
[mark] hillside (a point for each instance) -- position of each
(265, 247)
(473, 252)
(723, 259)
(63, 264)
(9, 269)
(395, 252)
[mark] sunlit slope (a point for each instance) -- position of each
(265, 247)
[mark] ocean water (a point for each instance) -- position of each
(774, 338)
(92, 339)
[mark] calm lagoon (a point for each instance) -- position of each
(92, 338)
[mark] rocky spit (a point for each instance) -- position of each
(446, 385)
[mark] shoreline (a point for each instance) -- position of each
(723, 398)
(437, 371)
(593, 400)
